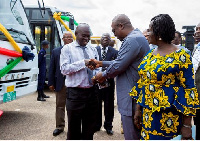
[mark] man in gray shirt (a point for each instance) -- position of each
(125, 69)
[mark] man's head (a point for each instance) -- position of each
(83, 34)
(177, 38)
(146, 33)
(197, 34)
(105, 39)
(45, 44)
(121, 26)
(67, 38)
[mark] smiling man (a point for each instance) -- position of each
(125, 69)
(82, 102)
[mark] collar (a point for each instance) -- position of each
(44, 50)
(77, 44)
(102, 48)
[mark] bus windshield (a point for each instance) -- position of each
(13, 18)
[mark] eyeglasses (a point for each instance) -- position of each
(113, 30)
(122, 24)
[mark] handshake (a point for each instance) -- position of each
(93, 64)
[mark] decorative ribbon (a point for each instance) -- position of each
(10, 66)
(9, 37)
(9, 52)
(1, 113)
(57, 16)
(21, 54)
(66, 18)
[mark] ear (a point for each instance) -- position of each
(121, 26)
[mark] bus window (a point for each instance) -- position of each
(37, 15)
(48, 37)
(37, 37)
(57, 39)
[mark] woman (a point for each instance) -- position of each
(166, 95)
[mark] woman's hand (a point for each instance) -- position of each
(138, 117)
(186, 133)
(186, 130)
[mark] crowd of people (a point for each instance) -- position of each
(156, 84)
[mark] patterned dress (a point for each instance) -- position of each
(165, 90)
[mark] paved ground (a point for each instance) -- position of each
(28, 119)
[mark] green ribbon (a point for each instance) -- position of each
(10, 66)
(66, 18)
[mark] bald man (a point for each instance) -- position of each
(125, 69)
(82, 101)
(56, 83)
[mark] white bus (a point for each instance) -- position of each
(22, 79)
(47, 28)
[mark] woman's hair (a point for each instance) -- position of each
(163, 27)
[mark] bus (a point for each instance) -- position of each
(15, 34)
(46, 27)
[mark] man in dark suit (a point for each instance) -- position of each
(56, 82)
(106, 53)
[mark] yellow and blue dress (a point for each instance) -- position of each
(165, 90)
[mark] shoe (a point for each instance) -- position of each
(45, 96)
(57, 132)
(109, 132)
(41, 99)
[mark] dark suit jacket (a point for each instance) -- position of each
(110, 55)
(55, 77)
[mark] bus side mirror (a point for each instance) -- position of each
(71, 23)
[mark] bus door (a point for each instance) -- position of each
(43, 32)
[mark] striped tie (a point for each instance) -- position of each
(89, 71)
(104, 54)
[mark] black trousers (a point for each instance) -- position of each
(107, 96)
(81, 105)
(197, 123)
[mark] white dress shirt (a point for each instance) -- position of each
(72, 64)
(196, 57)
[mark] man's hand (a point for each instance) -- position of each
(98, 63)
(138, 117)
(98, 78)
(90, 64)
(51, 88)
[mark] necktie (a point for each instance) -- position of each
(104, 54)
(89, 71)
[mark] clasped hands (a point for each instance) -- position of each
(93, 64)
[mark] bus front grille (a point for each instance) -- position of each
(19, 82)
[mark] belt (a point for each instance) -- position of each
(78, 88)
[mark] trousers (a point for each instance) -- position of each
(107, 96)
(130, 131)
(81, 105)
(60, 107)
